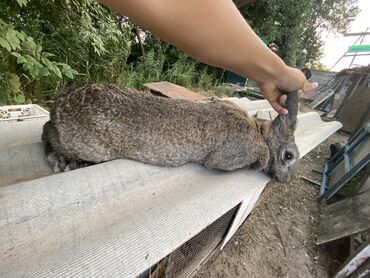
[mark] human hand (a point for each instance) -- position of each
(292, 80)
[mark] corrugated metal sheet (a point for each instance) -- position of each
(117, 218)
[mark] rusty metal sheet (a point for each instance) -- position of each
(174, 91)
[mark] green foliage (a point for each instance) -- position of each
(165, 62)
(295, 26)
(205, 79)
(22, 3)
(316, 65)
(49, 43)
(24, 60)
(146, 69)
(222, 90)
(44, 45)
(182, 72)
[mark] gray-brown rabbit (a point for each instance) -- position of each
(97, 123)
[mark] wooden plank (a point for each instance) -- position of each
(311, 181)
(366, 186)
(356, 262)
(344, 218)
(310, 95)
(321, 98)
(354, 109)
(174, 91)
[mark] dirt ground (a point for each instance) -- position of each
(278, 239)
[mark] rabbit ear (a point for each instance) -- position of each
(307, 73)
(286, 124)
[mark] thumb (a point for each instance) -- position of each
(308, 87)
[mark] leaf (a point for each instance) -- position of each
(34, 70)
(74, 72)
(29, 45)
(20, 99)
(37, 52)
(3, 66)
(15, 54)
(22, 3)
(30, 59)
(12, 38)
(14, 83)
(21, 59)
(68, 71)
(56, 70)
(21, 35)
(3, 96)
(47, 63)
(44, 71)
(47, 54)
(5, 44)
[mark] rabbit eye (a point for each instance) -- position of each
(288, 156)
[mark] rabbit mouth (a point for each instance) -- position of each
(278, 176)
(281, 178)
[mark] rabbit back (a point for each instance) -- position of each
(104, 122)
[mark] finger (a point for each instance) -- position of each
(307, 87)
(278, 108)
(300, 93)
(282, 99)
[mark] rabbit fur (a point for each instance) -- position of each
(97, 123)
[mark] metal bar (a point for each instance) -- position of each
(339, 184)
(350, 170)
(351, 55)
(343, 55)
(344, 101)
(347, 166)
(323, 182)
(335, 160)
(338, 61)
(328, 83)
(356, 34)
(357, 139)
(354, 57)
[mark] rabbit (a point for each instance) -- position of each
(97, 123)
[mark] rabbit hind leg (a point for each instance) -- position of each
(56, 162)
(59, 163)
(76, 164)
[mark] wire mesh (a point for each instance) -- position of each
(190, 256)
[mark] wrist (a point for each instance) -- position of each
(269, 69)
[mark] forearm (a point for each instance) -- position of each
(213, 32)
